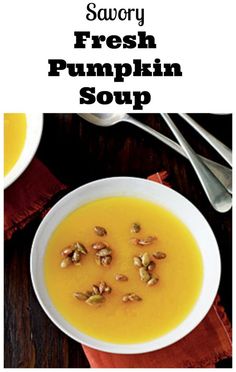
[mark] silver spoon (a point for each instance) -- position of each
(224, 174)
(218, 196)
(220, 147)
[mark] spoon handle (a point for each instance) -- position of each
(224, 174)
(223, 150)
(215, 191)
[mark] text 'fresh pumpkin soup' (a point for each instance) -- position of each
(14, 139)
(123, 270)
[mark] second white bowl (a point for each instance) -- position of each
(34, 127)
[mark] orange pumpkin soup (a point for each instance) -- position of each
(159, 308)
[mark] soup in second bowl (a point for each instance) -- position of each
(14, 139)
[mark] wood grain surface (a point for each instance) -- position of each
(78, 152)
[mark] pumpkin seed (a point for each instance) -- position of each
(105, 261)
(121, 278)
(152, 282)
(137, 261)
(95, 300)
(104, 252)
(81, 296)
(100, 231)
(67, 252)
(76, 257)
(95, 290)
(66, 262)
(135, 228)
(133, 297)
(151, 266)
(107, 289)
(159, 255)
(102, 286)
(145, 259)
(80, 248)
(125, 298)
(144, 274)
(99, 245)
(149, 240)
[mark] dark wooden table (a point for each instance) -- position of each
(77, 153)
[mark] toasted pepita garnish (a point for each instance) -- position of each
(144, 274)
(159, 255)
(137, 261)
(131, 297)
(121, 277)
(102, 285)
(94, 297)
(104, 252)
(80, 247)
(151, 266)
(135, 227)
(134, 297)
(107, 289)
(95, 289)
(125, 298)
(142, 242)
(100, 245)
(152, 281)
(81, 296)
(106, 261)
(72, 254)
(76, 256)
(66, 262)
(145, 259)
(68, 251)
(149, 240)
(100, 231)
(95, 300)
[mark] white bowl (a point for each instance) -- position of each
(34, 127)
(148, 190)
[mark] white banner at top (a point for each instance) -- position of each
(119, 56)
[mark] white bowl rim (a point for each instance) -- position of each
(29, 149)
(135, 348)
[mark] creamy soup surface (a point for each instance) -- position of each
(163, 306)
(14, 139)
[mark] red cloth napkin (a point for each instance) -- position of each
(29, 196)
(208, 343)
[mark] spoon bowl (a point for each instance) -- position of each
(103, 120)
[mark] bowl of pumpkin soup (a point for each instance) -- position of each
(22, 133)
(125, 265)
